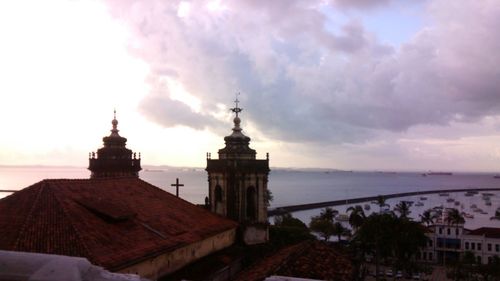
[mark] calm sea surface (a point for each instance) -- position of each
(289, 186)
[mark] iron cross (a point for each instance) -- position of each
(177, 184)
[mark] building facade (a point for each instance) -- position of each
(237, 185)
(450, 242)
(114, 159)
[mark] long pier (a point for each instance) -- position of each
(310, 206)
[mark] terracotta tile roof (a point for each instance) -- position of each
(112, 222)
(314, 260)
(490, 232)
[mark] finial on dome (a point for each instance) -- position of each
(114, 131)
(236, 109)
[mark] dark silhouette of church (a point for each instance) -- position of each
(114, 159)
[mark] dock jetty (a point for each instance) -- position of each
(310, 206)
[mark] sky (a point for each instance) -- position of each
(340, 84)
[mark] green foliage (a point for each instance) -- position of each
(357, 216)
(428, 217)
(268, 197)
(288, 230)
(328, 214)
(387, 236)
(454, 217)
(322, 226)
(403, 208)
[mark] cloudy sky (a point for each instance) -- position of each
(347, 84)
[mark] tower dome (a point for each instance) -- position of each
(114, 159)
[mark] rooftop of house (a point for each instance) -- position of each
(489, 232)
(112, 222)
(309, 259)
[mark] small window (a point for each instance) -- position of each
(479, 245)
(440, 230)
(424, 255)
(497, 248)
(456, 231)
(489, 247)
(218, 193)
(448, 231)
(430, 243)
(473, 246)
(467, 245)
(430, 256)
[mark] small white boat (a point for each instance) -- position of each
(423, 198)
(419, 204)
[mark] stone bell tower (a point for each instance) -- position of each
(237, 184)
(114, 159)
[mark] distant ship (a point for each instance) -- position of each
(497, 176)
(437, 174)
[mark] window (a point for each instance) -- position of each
(479, 246)
(497, 248)
(440, 230)
(430, 243)
(467, 245)
(430, 256)
(448, 231)
(251, 200)
(425, 255)
(456, 231)
(218, 193)
(473, 246)
(489, 247)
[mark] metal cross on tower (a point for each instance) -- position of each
(177, 184)
(236, 109)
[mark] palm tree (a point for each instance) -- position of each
(357, 216)
(403, 208)
(328, 214)
(381, 201)
(339, 230)
(453, 218)
(322, 227)
(428, 217)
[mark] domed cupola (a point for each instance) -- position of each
(114, 159)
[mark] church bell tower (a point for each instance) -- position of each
(114, 159)
(237, 184)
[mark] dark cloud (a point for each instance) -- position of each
(301, 82)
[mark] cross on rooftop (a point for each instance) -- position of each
(177, 184)
(236, 109)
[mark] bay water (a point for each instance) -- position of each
(296, 186)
